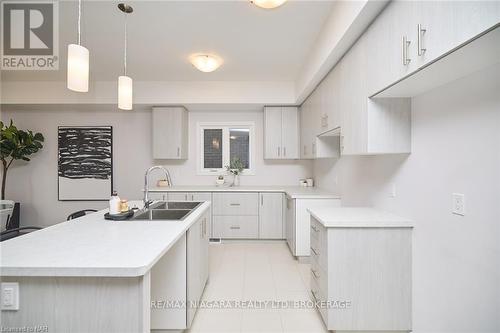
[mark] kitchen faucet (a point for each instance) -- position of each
(146, 200)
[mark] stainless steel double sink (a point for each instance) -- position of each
(166, 210)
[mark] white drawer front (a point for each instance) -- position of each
(236, 204)
(319, 254)
(319, 275)
(235, 226)
(319, 296)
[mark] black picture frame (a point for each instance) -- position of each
(111, 175)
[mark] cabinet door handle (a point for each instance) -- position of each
(178, 151)
(234, 204)
(314, 251)
(279, 151)
(185, 197)
(234, 227)
(420, 33)
(314, 294)
(405, 45)
(192, 197)
(284, 151)
(261, 200)
(313, 271)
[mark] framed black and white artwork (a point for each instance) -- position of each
(85, 163)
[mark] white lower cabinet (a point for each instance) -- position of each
(161, 196)
(169, 283)
(232, 226)
(235, 215)
(194, 197)
(248, 215)
(271, 215)
(290, 223)
(361, 277)
(197, 264)
(180, 275)
(298, 222)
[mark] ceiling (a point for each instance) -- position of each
(256, 44)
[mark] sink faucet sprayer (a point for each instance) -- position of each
(146, 182)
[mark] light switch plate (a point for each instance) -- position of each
(458, 204)
(10, 296)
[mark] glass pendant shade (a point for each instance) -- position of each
(78, 68)
(125, 92)
(268, 4)
(205, 62)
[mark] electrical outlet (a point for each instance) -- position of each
(10, 296)
(458, 204)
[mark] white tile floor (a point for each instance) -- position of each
(256, 271)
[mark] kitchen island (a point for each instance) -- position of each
(96, 275)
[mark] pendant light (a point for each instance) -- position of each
(78, 62)
(124, 81)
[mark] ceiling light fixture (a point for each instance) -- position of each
(125, 89)
(78, 62)
(268, 4)
(205, 62)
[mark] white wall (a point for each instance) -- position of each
(456, 148)
(34, 184)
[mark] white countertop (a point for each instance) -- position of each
(93, 246)
(357, 217)
(295, 192)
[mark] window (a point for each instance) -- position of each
(221, 143)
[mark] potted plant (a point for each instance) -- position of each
(235, 167)
(16, 144)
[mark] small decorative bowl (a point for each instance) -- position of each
(162, 183)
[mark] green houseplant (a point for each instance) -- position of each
(235, 167)
(16, 144)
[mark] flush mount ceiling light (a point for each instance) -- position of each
(268, 4)
(78, 62)
(205, 62)
(125, 82)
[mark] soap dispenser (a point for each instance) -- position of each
(114, 204)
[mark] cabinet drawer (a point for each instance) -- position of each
(319, 275)
(235, 226)
(320, 297)
(319, 254)
(317, 234)
(236, 204)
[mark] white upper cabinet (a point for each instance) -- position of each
(290, 132)
(320, 113)
(272, 133)
(431, 29)
(170, 133)
(448, 24)
(281, 133)
(306, 132)
(404, 37)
